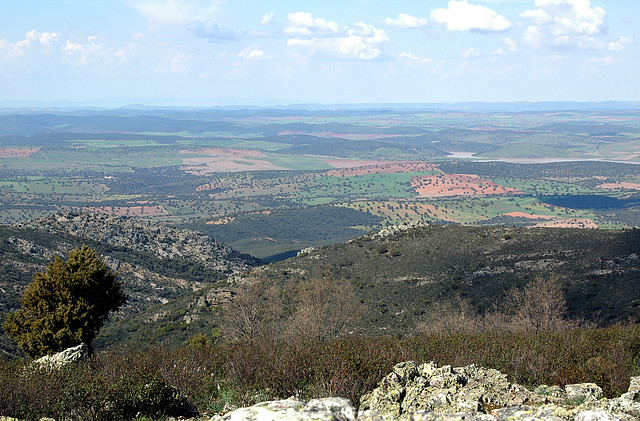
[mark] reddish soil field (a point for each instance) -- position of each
(528, 215)
(128, 210)
(226, 160)
(17, 152)
(457, 185)
(381, 168)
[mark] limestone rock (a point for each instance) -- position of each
(445, 390)
(63, 358)
(595, 416)
(583, 392)
(326, 409)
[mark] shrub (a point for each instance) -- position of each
(65, 305)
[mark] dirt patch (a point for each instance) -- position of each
(17, 152)
(442, 185)
(619, 186)
(528, 215)
(127, 210)
(221, 221)
(381, 168)
(569, 223)
(226, 160)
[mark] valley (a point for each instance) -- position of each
(237, 174)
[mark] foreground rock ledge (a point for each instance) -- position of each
(427, 392)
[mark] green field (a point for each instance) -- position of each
(118, 163)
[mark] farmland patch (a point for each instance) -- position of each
(457, 185)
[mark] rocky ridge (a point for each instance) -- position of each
(426, 392)
(145, 236)
(156, 264)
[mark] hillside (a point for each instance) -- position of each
(403, 273)
(155, 263)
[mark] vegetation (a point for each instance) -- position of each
(158, 381)
(66, 305)
(211, 166)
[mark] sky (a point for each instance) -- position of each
(217, 52)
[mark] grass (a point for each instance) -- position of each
(55, 186)
(298, 162)
(544, 187)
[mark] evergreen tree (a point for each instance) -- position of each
(65, 305)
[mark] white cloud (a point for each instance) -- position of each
(33, 39)
(410, 58)
(604, 60)
(464, 16)
(266, 19)
(470, 53)
(568, 23)
(316, 36)
(94, 50)
(211, 31)
(252, 53)
(510, 46)
(177, 11)
(406, 21)
(302, 24)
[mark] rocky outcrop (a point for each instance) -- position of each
(63, 358)
(445, 390)
(426, 392)
(146, 236)
(326, 409)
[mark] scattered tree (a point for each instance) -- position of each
(65, 305)
(540, 306)
(324, 310)
(254, 313)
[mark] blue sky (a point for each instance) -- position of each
(203, 52)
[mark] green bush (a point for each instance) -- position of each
(66, 305)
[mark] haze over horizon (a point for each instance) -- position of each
(216, 52)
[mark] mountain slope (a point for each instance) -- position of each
(403, 273)
(155, 263)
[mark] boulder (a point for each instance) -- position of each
(583, 392)
(63, 358)
(445, 390)
(326, 409)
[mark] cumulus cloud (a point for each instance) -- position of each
(177, 11)
(266, 19)
(302, 24)
(406, 21)
(470, 53)
(510, 46)
(33, 39)
(211, 31)
(464, 16)
(411, 59)
(252, 53)
(317, 36)
(567, 23)
(94, 50)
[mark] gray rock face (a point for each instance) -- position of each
(426, 392)
(583, 392)
(63, 358)
(445, 390)
(327, 409)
